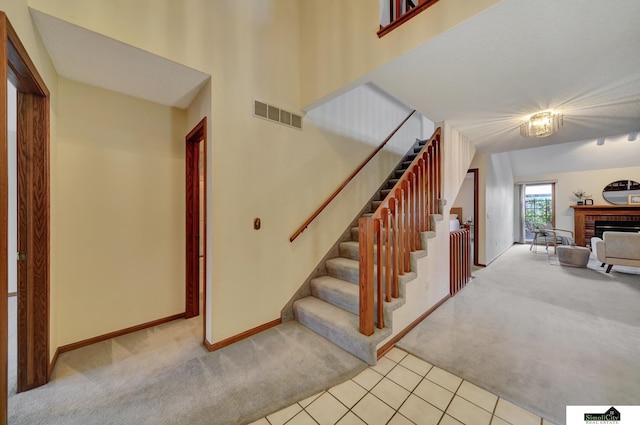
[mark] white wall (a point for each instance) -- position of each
(495, 205)
(586, 155)
(499, 206)
(366, 115)
(464, 199)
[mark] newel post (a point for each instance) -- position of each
(366, 237)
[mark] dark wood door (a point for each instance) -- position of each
(194, 139)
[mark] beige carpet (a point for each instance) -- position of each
(540, 335)
(163, 375)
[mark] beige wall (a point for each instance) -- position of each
(120, 188)
(255, 168)
(339, 42)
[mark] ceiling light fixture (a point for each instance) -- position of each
(541, 124)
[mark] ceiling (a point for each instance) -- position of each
(91, 58)
(488, 74)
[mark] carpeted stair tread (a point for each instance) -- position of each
(346, 295)
(351, 249)
(338, 292)
(339, 326)
(355, 231)
(344, 268)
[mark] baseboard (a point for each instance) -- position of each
(100, 338)
(241, 336)
(392, 342)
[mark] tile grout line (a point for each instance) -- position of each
(412, 392)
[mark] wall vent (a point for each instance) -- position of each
(273, 113)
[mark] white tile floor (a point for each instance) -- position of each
(402, 389)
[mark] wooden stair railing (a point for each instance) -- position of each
(348, 179)
(401, 11)
(394, 228)
(460, 260)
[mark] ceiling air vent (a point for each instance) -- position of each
(273, 113)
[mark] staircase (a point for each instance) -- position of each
(332, 310)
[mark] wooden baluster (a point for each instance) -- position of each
(416, 209)
(406, 229)
(400, 238)
(455, 263)
(398, 9)
(427, 182)
(426, 190)
(439, 166)
(366, 238)
(412, 211)
(421, 203)
(418, 202)
(395, 245)
(378, 228)
(386, 217)
(468, 257)
(433, 180)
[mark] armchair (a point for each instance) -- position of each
(551, 236)
(618, 248)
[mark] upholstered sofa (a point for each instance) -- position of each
(618, 248)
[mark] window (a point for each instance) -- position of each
(539, 201)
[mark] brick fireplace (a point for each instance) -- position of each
(624, 217)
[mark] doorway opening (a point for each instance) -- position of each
(196, 211)
(539, 206)
(466, 205)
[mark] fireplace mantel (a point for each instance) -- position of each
(584, 217)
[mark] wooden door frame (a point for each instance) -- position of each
(33, 164)
(192, 204)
